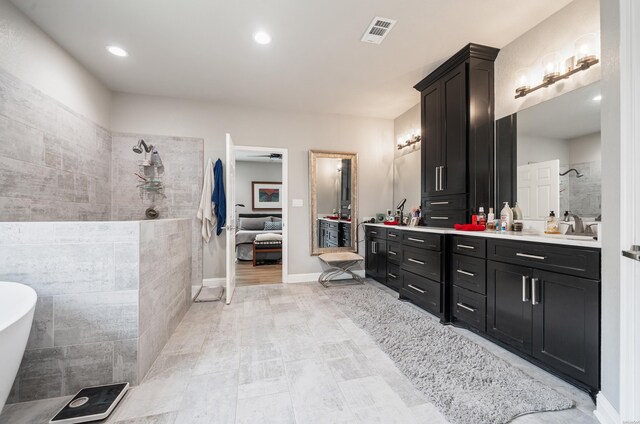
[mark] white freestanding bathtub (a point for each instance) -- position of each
(17, 303)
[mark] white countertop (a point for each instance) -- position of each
(335, 220)
(566, 240)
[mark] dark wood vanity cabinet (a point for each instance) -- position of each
(376, 253)
(552, 316)
(467, 275)
(457, 145)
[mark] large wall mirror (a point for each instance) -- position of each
(557, 156)
(334, 200)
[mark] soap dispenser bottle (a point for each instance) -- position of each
(517, 212)
(506, 217)
(551, 226)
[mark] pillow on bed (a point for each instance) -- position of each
(253, 223)
(268, 237)
(270, 226)
(276, 218)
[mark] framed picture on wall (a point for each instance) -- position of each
(266, 195)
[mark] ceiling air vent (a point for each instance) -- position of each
(377, 30)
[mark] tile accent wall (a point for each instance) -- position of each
(55, 165)
(582, 196)
(183, 159)
(85, 328)
(165, 284)
(109, 296)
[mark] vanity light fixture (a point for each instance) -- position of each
(117, 51)
(409, 139)
(585, 56)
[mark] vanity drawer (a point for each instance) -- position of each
(425, 263)
(394, 278)
(578, 261)
(443, 203)
(421, 239)
(445, 219)
(469, 308)
(377, 232)
(469, 273)
(394, 235)
(470, 246)
(394, 252)
(422, 291)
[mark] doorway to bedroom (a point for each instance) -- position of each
(260, 193)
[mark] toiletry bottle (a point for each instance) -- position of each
(517, 212)
(482, 218)
(551, 226)
(506, 217)
(491, 217)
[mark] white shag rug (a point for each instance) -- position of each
(465, 381)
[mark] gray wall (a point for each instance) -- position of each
(406, 163)
(183, 162)
(247, 172)
(298, 132)
(55, 165)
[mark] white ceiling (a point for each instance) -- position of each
(571, 115)
(204, 48)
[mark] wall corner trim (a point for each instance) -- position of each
(605, 412)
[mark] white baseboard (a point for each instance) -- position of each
(605, 412)
(313, 277)
(214, 282)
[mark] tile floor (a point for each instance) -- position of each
(283, 354)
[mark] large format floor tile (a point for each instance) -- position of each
(283, 354)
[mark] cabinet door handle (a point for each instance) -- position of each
(441, 178)
(439, 217)
(415, 239)
(373, 247)
(439, 203)
(470, 274)
(437, 182)
(392, 235)
(416, 289)
(463, 306)
(392, 275)
(535, 300)
(415, 261)
(392, 253)
(373, 232)
(525, 255)
(464, 246)
(525, 291)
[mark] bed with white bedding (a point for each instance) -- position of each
(249, 226)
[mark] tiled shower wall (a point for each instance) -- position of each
(182, 158)
(582, 196)
(55, 165)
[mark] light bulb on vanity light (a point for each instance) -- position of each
(522, 80)
(551, 66)
(586, 49)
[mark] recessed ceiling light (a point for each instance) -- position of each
(262, 37)
(597, 98)
(117, 51)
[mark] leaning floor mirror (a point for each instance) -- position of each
(333, 187)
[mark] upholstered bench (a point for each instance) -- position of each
(266, 246)
(339, 263)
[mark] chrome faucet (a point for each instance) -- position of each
(579, 227)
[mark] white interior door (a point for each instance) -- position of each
(538, 189)
(230, 177)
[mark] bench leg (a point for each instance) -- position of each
(336, 269)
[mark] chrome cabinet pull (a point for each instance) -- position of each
(392, 253)
(464, 246)
(373, 232)
(463, 306)
(415, 261)
(439, 217)
(525, 255)
(416, 289)
(534, 291)
(392, 275)
(470, 274)
(525, 292)
(415, 239)
(392, 235)
(373, 247)
(439, 203)
(441, 178)
(633, 253)
(437, 183)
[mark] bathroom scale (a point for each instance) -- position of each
(91, 404)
